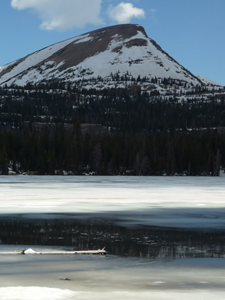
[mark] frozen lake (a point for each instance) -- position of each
(184, 203)
(96, 277)
(188, 202)
(38, 277)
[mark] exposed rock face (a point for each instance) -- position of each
(121, 49)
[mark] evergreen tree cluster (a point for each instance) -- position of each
(57, 127)
(120, 110)
(52, 150)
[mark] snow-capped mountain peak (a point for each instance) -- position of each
(120, 49)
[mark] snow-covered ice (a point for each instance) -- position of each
(29, 251)
(35, 293)
(192, 202)
(34, 277)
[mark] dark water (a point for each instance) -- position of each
(97, 232)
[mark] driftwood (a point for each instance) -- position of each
(53, 252)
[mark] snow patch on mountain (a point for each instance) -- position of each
(83, 39)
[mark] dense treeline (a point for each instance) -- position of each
(121, 110)
(42, 130)
(51, 150)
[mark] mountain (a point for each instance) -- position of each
(109, 102)
(123, 50)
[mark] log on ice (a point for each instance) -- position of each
(57, 252)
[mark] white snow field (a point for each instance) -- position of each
(186, 202)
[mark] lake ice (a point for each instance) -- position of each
(96, 277)
(192, 202)
(181, 202)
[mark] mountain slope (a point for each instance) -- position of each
(121, 49)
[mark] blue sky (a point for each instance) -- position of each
(191, 31)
